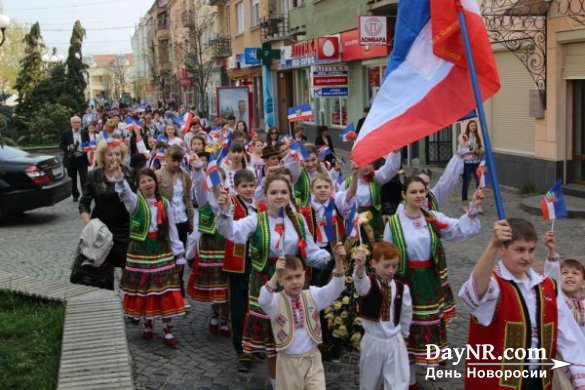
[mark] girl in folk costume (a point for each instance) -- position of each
(236, 160)
(207, 282)
(417, 234)
(150, 280)
(368, 190)
(279, 231)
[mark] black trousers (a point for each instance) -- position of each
(238, 287)
(77, 166)
(183, 232)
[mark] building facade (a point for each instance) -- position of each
(110, 79)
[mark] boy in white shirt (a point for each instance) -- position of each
(294, 316)
(385, 307)
(514, 308)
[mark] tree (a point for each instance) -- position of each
(31, 73)
(118, 70)
(199, 61)
(75, 69)
(10, 56)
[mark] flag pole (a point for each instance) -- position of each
(489, 158)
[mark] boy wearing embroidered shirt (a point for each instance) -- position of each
(515, 308)
(294, 315)
(385, 307)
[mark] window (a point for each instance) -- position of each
(338, 110)
(297, 3)
(375, 77)
(240, 17)
(255, 16)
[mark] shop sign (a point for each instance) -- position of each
(373, 30)
(250, 57)
(353, 51)
(310, 52)
(329, 81)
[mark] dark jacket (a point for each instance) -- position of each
(109, 209)
(137, 160)
(66, 140)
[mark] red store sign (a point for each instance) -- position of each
(352, 50)
(324, 48)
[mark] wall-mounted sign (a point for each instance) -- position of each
(329, 81)
(310, 52)
(373, 30)
(250, 57)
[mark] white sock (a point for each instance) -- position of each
(273, 383)
(412, 374)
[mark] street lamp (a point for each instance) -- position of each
(4, 22)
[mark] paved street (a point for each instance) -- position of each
(40, 244)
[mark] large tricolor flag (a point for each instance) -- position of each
(301, 112)
(553, 204)
(427, 85)
(184, 122)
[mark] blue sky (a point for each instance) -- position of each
(109, 23)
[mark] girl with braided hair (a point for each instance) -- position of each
(150, 280)
(278, 231)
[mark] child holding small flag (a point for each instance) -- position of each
(207, 282)
(236, 160)
(278, 231)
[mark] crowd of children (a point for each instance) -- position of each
(278, 239)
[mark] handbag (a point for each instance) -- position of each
(84, 273)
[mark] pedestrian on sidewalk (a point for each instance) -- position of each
(471, 158)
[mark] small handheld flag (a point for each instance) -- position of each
(352, 228)
(482, 173)
(299, 151)
(184, 122)
(348, 134)
(213, 178)
(324, 151)
(132, 123)
(225, 147)
(301, 112)
(553, 204)
(279, 228)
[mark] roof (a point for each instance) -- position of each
(105, 60)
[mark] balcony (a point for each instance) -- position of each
(216, 2)
(221, 47)
(275, 28)
(383, 7)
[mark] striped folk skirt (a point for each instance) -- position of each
(258, 336)
(432, 308)
(150, 280)
(208, 282)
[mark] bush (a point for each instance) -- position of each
(46, 125)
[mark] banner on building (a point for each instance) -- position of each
(328, 81)
(373, 30)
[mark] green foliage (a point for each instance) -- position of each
(30, 339)
(69, 102)
(75, 83)
(46, 125)
(32, 71)
(11, 54)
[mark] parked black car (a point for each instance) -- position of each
(29, 181)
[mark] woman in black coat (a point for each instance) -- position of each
(99, 188)
(323, 138)
(139, 149)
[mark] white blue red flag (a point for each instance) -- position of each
(132, 123)
(352, 224)
(301, 112)
(426, 85)
(298, 151)
(89, 146)
(212, 174)
(224, 148)
(184, 122)
(553, 204)
(348, 134)
(286, 140)
(324, 151)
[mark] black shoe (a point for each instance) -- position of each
(244, 365)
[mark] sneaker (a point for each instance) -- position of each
(214, 323)
(169, 339)
(244, 365)
(186, 304)
(224, 329)
(147, 331)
